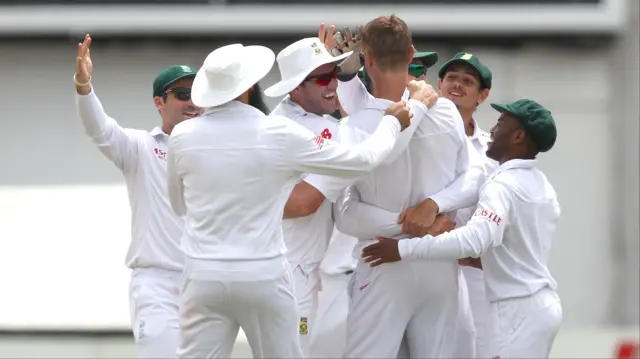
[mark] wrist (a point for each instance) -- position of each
(432, 205)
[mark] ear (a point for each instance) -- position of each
(519, 136)
(159, 102)
(368, 60)
(439, 86)
(412, 52)
(483, 96)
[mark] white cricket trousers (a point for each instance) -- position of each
(329, 336)
(525, 327)
(480, 308)
(306, 283)
(213, 311)
(419, 299)
(153, 306)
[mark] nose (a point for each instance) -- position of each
(333, 84)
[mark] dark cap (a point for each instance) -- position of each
(473, 61)
(535, 119)
(428, 58)
(171, 75)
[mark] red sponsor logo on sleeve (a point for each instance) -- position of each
(489, 215)
(160, 153)
(326, 134)
(319, 141)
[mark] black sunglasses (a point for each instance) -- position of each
(180, 93)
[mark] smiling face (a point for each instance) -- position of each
(461, 84)
(175, 105)
(317, 93)
(507, 135)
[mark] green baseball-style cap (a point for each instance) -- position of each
(170, 75)
(428, 58)
(473, 61)
(536, 120)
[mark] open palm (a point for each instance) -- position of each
(84, 66)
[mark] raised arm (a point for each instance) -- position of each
(117, 144)
(362, 220)
(308, 153)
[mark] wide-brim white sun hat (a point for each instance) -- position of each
(228, 72)
(298, 60)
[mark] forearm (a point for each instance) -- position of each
(460, 243)
(364, 221)
(95, 121)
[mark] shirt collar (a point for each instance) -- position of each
(518, 163)
(292, 109)
(157, 132)
(478, 134)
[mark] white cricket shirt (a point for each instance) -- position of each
(479, 143)
(307, 238)
(511, 231)
(230, 172)
(141, 156)
(436, 165)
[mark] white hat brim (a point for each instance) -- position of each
(283, 87)
(256, 62)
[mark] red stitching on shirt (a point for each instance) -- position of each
(319, 141)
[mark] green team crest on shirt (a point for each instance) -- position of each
(303, 325)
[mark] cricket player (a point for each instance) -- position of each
(511, 230)
(154, 254)
(309, 80)
(230, 173)
(435, 173)
(466, 81)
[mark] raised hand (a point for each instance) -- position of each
(84, 66)
(346, 42)
(423, 92)
(400, 111)
(327, 38)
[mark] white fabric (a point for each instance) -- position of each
(153, 301)
(232, 191)
(511, 231)
(297, 61)
(307, 238)
(329, 332)
(229, 71)
(306, 286)
(525, 327)
(474, 277)
(141, 156)
(392, 188)
(213, 311)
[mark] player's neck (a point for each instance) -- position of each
(389, 85)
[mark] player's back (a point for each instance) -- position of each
(234, 169)
(436, 150)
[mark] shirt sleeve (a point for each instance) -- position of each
(463, 191)
(353, 95)
(330, 187)
(362, 220)
(174, 177)
(313, 154)
(484, 230)
(116, 143)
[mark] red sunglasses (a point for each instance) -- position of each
(323, 80)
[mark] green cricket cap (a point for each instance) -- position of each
(536, 120)
(473, 61)
(170, 75)
(428, 58)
